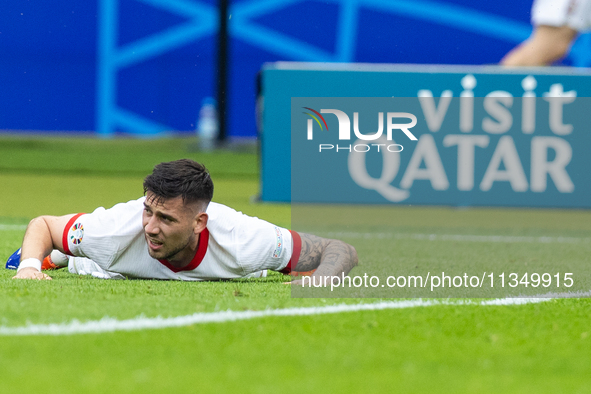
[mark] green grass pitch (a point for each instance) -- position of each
(534, 348)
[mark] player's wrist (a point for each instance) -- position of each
(30, 263)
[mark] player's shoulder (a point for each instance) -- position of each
(226, 218)
(219, 211)
(215, 207)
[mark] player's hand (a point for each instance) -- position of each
(31, 273)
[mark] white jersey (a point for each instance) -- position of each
(232, 246)
(575, 14)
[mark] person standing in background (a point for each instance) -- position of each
(557, 23)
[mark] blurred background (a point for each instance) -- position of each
(146, 67)
(94, 93)
(156, 69)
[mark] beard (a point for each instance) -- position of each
(164, 255)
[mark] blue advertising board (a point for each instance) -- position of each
(432, 135)
(141, 67)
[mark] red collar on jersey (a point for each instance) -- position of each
(199, 255)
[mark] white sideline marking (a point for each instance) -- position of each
(107, 324)
(12, 227)
(459, 237)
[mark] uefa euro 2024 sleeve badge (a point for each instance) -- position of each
(279, 243)
(77, 233)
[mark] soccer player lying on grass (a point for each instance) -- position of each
(175, 232)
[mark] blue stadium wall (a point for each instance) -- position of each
(143, 67)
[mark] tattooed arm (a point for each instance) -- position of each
(330, 257)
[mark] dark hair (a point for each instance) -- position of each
(184, 177)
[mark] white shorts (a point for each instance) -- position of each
(85, 266)
(575, 14)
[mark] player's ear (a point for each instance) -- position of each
(200, 222)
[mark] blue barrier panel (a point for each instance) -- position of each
(144, 67)
(484, 135)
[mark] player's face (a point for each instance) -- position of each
(172, 228)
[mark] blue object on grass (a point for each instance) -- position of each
(14, 260)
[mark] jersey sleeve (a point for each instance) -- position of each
(296, 248)
(73, 234)
(256, 244)
(262, 245)
(103, 234)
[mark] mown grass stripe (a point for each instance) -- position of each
(107, 324)
(13, 227)
(460, 237)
